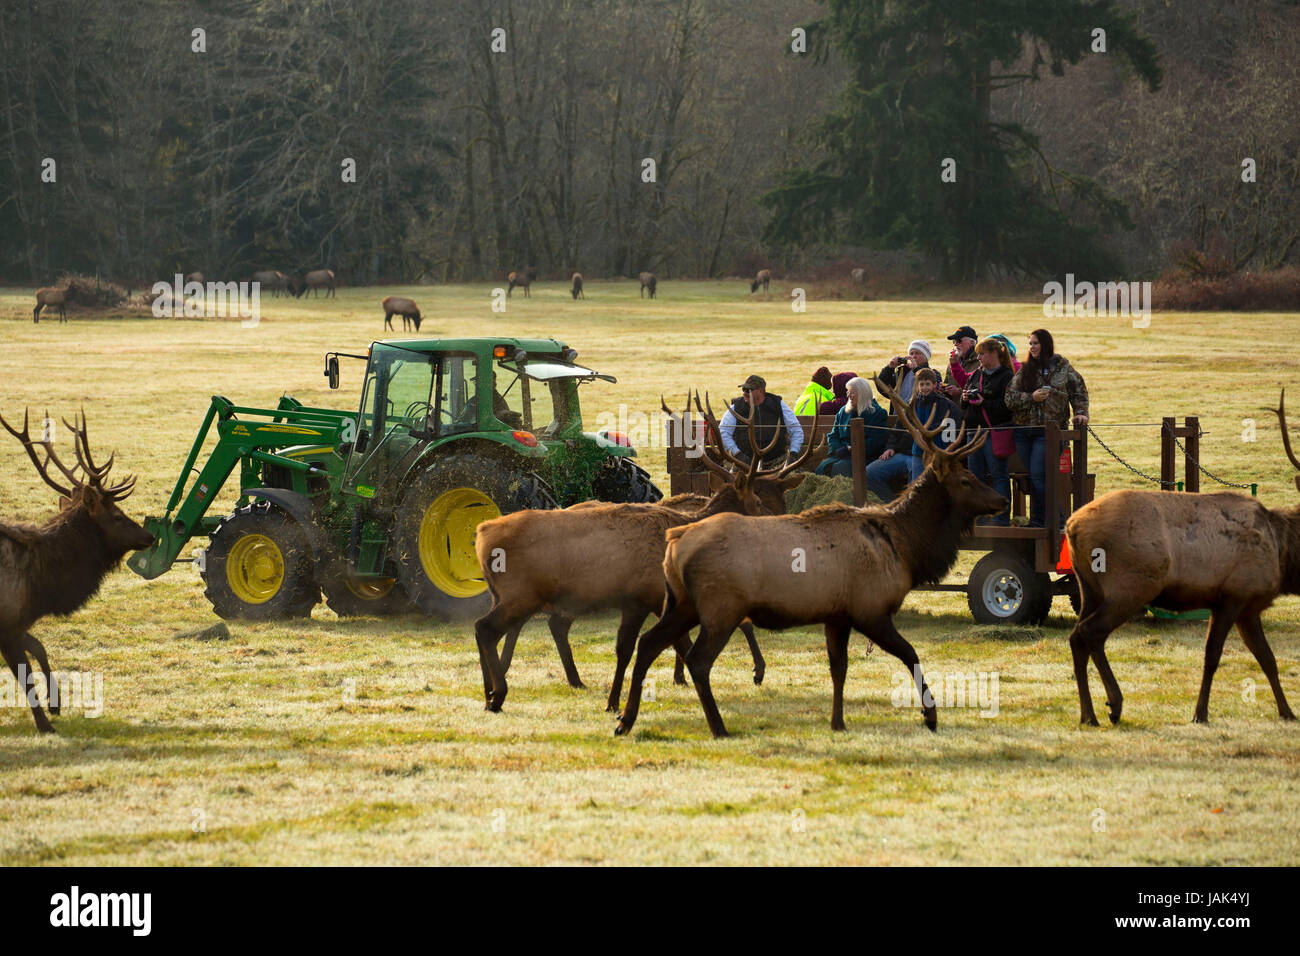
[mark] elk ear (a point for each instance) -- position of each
(64, 502)
(793, 481)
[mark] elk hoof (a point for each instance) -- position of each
(1200, 718)
(1088, 721)
(758, 675)
(679, 681)
(577, 685)
(932, 721)
(619, 729)
(611, 708)
(836, 726)
(1287, 716)
(1114, 710)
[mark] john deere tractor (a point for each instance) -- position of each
(378, 507)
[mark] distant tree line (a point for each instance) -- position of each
(615, 136)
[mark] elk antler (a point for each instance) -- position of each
(42, 467)
(1280, 411)
(95, 474)
(923, 434)
(750, 469)
(808, 446)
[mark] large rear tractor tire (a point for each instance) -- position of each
(622, 480)
(1004, 588)
(258, 567)
(435, 529)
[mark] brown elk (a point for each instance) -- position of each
(648, 281)
(316, 280)
(1224, 551)
(406, 308)
(598, 556)
(53, 298)
(858, 565)
(272, 280)
(576, 290)
(763, 278)
(522, 279)
(58, 567)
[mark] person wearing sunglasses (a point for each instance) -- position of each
(770, 414)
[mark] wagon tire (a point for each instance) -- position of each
(1004, 588)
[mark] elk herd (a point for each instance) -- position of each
(736, 560)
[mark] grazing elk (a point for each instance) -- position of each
(316, 280)
(53, 298)
(406, 308)
(58, 567)
(1224, 551)
(763, 278)
(648, 281)
(858, 564)
(597, 556)
(522, 279)
(576, 290)
(272, 280)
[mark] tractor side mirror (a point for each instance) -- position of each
(332, 370)
(363, 438)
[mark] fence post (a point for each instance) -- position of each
(1051, 490)
(858, 445)
(1080, 476)
(1192, 442)
(1167, 454)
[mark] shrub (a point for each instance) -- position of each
(1182, 291)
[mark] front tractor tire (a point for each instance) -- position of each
(435, 529)
(621, 480)
(258, 566)
(1004, 588)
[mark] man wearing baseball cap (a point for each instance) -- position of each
(962, 361)
(771, 415)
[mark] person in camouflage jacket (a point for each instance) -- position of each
(1045, 389)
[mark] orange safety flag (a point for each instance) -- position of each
(1063, 564)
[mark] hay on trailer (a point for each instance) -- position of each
(819, 490)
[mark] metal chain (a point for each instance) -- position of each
(1111, 452)
(1202, 468)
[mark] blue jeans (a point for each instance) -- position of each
(1031, 445)
(992, 470)
(838, 467)
(884, 474)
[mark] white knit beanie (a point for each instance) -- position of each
(923, 345)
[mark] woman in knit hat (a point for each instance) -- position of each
(900, 373)
(818, 391)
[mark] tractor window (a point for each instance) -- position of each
(399, 385)
(457, 393)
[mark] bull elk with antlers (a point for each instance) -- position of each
(599, 556)
(858, 565)
(58, 567)
(1224, 551)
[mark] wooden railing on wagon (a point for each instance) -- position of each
(1066, 492)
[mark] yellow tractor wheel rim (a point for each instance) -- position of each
(255, 569)
(371, 589)
(447, 541)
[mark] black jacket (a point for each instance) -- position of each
(992, 388)
(768, 416)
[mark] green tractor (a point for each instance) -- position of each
(378, 507)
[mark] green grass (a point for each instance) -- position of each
(252, 737)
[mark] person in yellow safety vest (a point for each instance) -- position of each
(818, 391)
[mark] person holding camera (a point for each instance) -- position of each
(983, 404)
(900, 373)
(1044, 390)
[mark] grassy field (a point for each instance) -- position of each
(364, 741)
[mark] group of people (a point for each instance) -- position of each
(984, 386)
